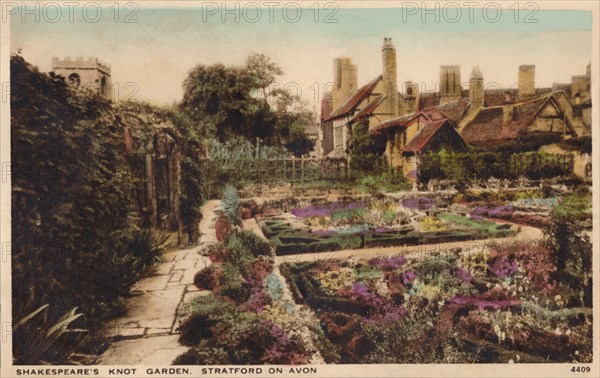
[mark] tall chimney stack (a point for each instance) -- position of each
(450, 85)
(390, 84)
(476, 87)
(345, 81)
(526, 81)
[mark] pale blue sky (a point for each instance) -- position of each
(158, 50)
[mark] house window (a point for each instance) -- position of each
(338, 136)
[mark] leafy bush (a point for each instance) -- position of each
(35, 338)
(207, 278)
(230, 205)
(221, 332)
(233, 285)
(75, 236)
(146, 246)
(222, 228)
(462, 167)
(253, 243)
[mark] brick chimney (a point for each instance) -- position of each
(390, 84)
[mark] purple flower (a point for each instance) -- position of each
(419, 203)
(258, 298)
(386, 314)
(504, 267)
(464, 275)
(325, 210)
(360, 289)
(408, 277)
(480, 211)
(392, 263)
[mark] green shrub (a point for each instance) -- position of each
(146, 246)
(207, 278)
(203, 354)
(222, 227)
(575, 207)
(36, 339)
(233, 284)
(230, 205)
(239, 254)
(254, 244)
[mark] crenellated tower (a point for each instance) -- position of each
(85, 73)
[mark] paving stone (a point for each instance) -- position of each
(184, 264)
(176, 276)
(168, 257)
(157, 331)
(188, 276)
(157, 350)
(151, 283)
(172, 285)
(119, 329)
(191, 288)
(154, 309)
(164, 268)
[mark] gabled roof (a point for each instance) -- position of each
(358, 96)
(452, 111)
(424, 135)
(490, 125)
(403, 121)
(369, 108)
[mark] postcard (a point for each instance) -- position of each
(300, 188)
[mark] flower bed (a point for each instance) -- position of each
(437, 309)
(244, 319)
(350, 225)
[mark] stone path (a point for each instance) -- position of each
(147, 334)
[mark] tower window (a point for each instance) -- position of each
(75, 80)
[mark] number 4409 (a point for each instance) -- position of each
(580, 369)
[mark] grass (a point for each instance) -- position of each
(576, 206)
(489, 228)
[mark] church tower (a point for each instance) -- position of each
(86, 74)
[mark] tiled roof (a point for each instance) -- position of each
(423, 136)
(398, 122)
(351, 104)
(369, 108)
(490, 126)
(452, 111)
(428, 99)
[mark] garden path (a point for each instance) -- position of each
(147, 334)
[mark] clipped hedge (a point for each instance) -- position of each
(501, 165)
